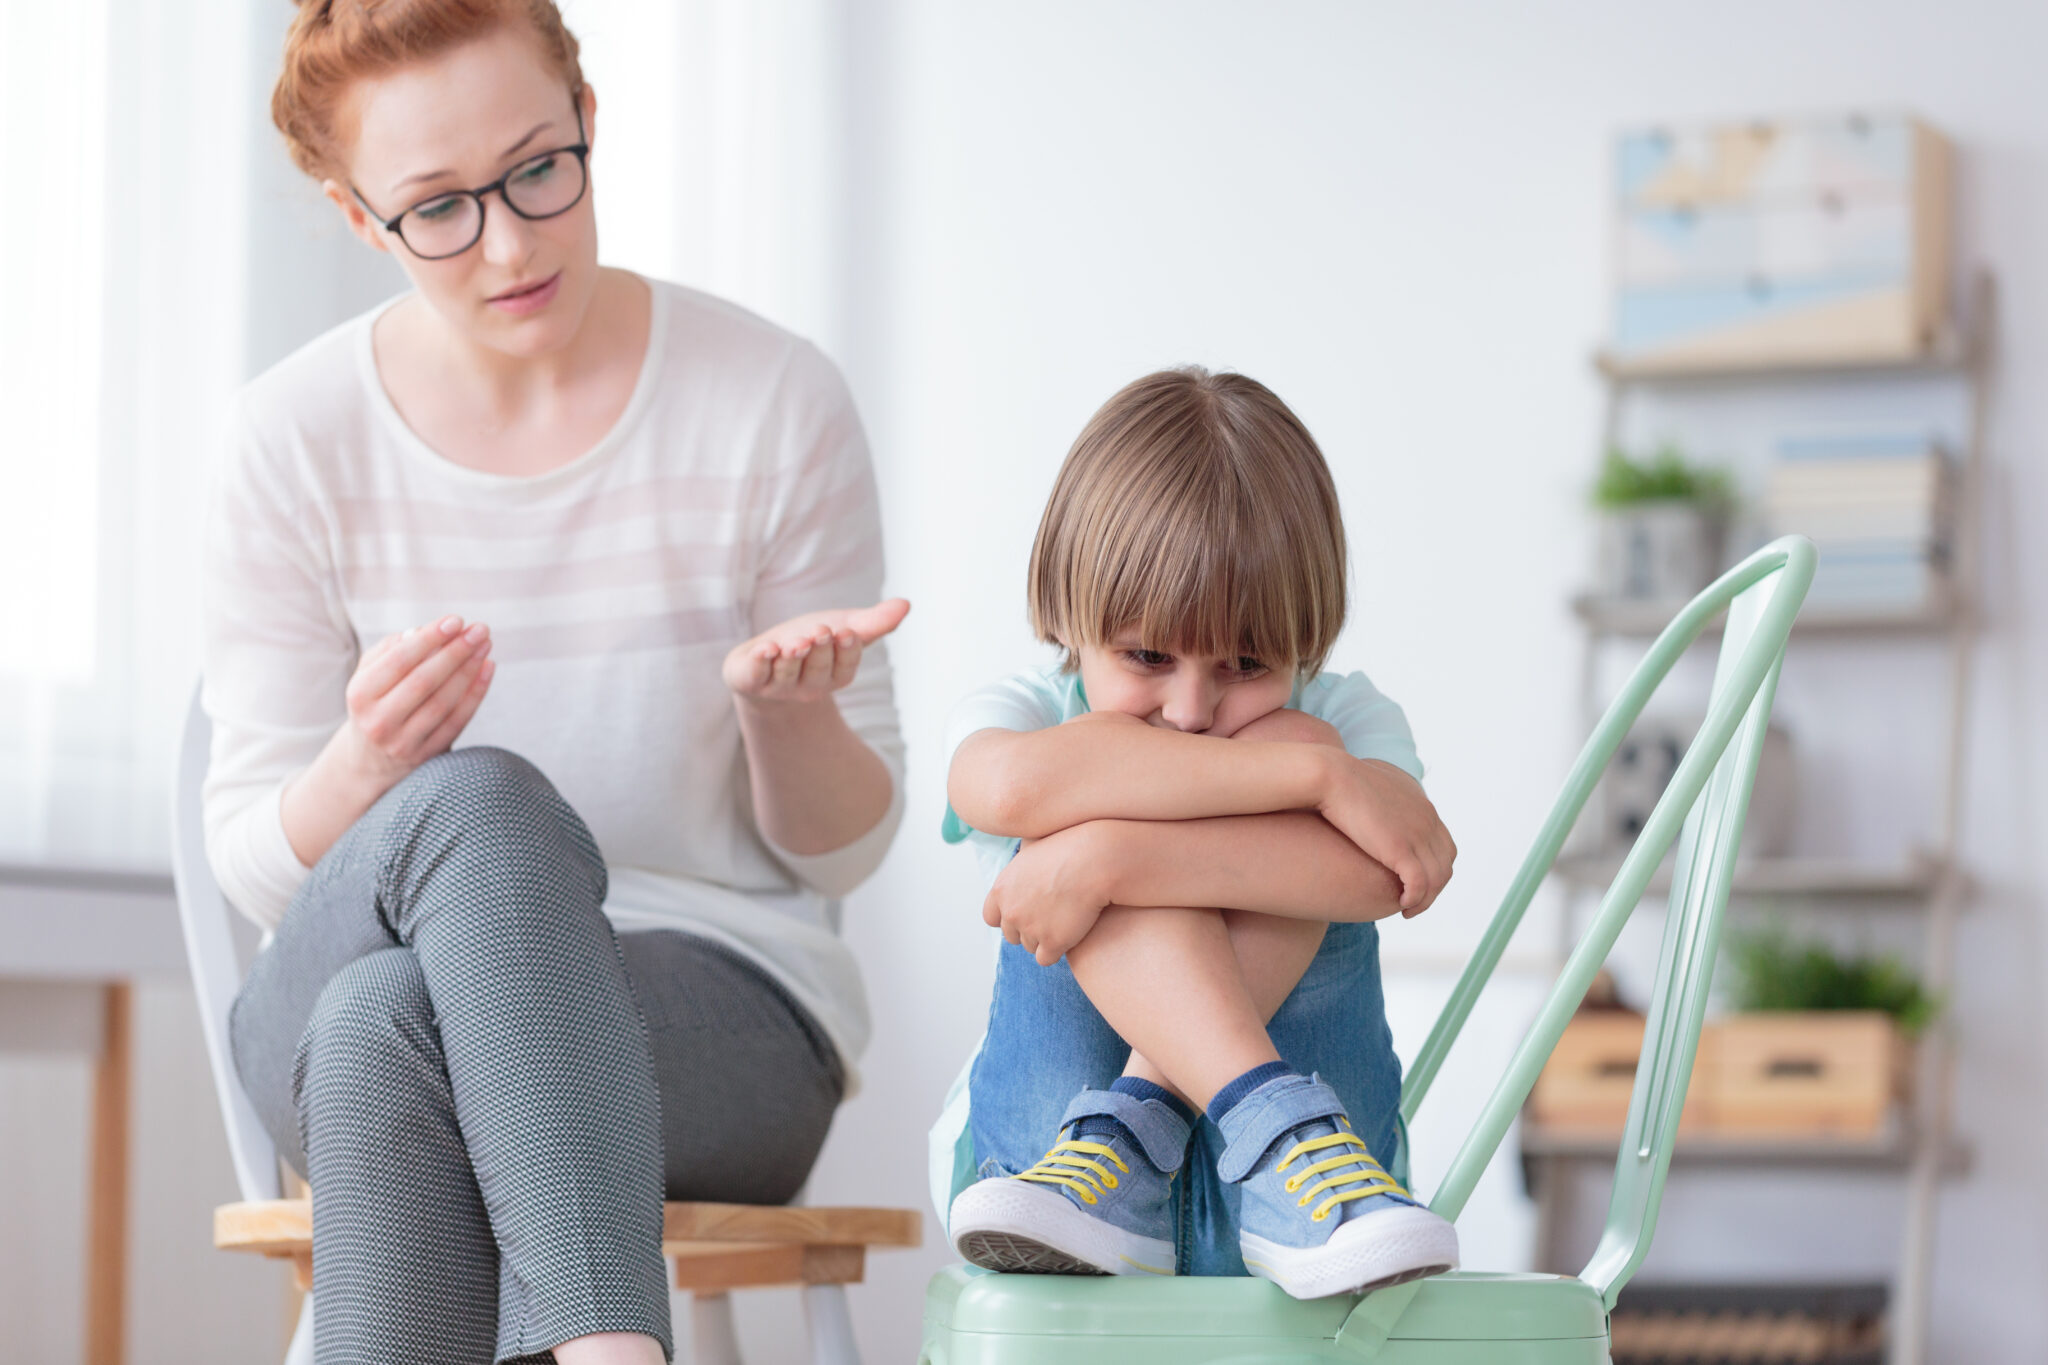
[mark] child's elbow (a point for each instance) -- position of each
(990, 791)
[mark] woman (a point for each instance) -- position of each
(519, 991)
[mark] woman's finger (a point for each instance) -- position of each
(789, 666)
(437, 707)
(818, 664)
(444, 736)
(872, 623)
(412, 691)
(375, 678)
(754, 670)
(845, 658)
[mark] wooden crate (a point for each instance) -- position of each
(1584, 1088)
(1819, 1073)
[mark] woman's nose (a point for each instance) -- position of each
(508, 238)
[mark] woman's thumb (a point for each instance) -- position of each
(872, 623)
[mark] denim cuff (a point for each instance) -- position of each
(1268, 1114)
(1160, 1132)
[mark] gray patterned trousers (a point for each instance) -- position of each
(491, 1093)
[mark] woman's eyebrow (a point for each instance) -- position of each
(531, 134)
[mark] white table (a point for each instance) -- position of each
(98, 929)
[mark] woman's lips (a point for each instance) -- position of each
(531, 299)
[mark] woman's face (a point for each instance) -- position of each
(457, 122)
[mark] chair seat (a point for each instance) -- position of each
(716, 1246)
(973, 1317)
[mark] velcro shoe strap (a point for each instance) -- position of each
(1268, 1114)
(1159, 1131)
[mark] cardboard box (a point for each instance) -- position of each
(1584, 1088)
(1814, 240)
(1820, 1073)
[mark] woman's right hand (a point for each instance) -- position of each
(412, 695)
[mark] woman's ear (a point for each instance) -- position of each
(369, 233)
(587, 103)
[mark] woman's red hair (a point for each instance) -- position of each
(335, 43)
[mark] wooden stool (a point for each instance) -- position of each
(716, 1247)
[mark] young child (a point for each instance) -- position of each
(1189, 829)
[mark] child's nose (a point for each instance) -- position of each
(1189, 706)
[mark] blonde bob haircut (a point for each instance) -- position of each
(1196, 508)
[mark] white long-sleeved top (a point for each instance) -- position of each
(734, 492)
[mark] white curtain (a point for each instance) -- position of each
(160, 249)
(720, 158)
(121, 147)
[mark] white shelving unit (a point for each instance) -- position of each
(1919, 1144)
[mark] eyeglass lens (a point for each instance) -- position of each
(540, 188)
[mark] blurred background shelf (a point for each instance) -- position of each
(1628, 617)
(1919, 877)
(1946, 352)
(1892, 1150)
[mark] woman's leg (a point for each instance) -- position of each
(748, 1081)
(478, 867)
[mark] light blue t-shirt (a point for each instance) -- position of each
(1370, 725)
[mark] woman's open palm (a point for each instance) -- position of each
(811, 656)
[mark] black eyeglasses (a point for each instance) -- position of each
(450, 223)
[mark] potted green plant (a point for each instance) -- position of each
(1662, 519)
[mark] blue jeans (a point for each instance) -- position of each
(1046, 1043)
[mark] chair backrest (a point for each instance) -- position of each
(1702, 810)
(216, 967)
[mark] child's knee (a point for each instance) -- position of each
(1288, 726)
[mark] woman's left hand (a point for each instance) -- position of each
(811, 656)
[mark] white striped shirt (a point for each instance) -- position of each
(734, 492)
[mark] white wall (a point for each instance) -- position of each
(1394, 214)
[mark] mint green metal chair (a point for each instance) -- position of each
(976, 1318)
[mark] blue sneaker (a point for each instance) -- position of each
(1099, 1204)
(1319, 1215)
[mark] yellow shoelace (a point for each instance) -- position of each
(1371, 1180)
(1072, 1164)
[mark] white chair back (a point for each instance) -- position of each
(216, 966)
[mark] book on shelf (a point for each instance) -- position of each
(1878, 507)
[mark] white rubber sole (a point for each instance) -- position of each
(1021, 1227)
(1389, 1247)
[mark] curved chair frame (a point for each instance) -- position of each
(1702, 809)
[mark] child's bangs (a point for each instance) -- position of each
(1223, 584)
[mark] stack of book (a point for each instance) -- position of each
(1876, 505)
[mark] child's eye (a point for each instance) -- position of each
(1148, 658)
(1248, 667)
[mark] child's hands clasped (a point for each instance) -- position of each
(1383, 810)
(1050, 895)
(812, 656)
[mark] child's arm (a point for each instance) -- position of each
(1028, 784)
(1106, 766)
(1289, 863)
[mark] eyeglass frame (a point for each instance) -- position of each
(580, 149)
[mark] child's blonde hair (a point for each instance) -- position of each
(1197, 508)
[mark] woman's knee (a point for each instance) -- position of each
(372, 1026)
(489, 805)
